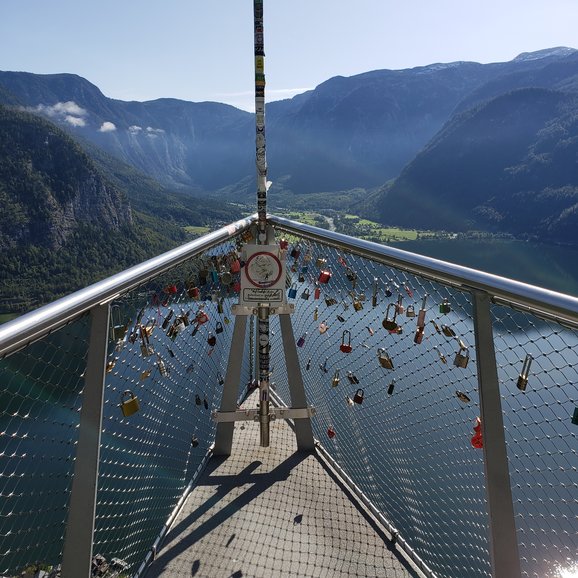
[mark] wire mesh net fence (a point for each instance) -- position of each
(389, 362)
(40, 399)
(169, 341)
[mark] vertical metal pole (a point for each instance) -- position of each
(224, 434)
(503, 541)
(77, 556)
(303, 430)
(261, 159)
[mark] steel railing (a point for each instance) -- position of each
(406, 448)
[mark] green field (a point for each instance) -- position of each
(196, 231)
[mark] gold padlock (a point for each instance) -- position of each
(335, 380)
(357, 305)
(384, 359)
(462, 359)
(129, 403)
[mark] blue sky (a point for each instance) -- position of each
(193, 50)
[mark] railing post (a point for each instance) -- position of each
(77, 557)
(504, 554)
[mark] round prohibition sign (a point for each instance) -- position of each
(263, 269)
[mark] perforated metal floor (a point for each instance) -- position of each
(266, 512)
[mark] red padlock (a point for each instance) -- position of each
(324, 276)
(193, 292)
(170, 289)
(237, 287)
(283, 244)
(346, 342)
(201, 317)
(331, 432)
(477, 440)
(317, 293)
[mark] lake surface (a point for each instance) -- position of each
(550, 266)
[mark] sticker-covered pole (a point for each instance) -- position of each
(260, 120)
(263, 315)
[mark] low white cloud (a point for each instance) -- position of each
(68, 112)
(134, 129)
(74, 120)
(152, 130)
(107, 126)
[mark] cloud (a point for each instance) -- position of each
(152, 130)
(107, 126)
(134, 129)
(68, 112)
(74, 120)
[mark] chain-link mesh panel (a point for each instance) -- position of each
(537, 367)
(397, 407)
(396, 403)
(40, 399)
(170, 342)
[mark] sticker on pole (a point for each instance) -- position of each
(263, 276)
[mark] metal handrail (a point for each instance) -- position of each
(31, 326)
(542, 302)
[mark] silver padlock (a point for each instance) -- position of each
(384, 359)
(462, 359)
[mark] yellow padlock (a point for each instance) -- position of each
(129, 403)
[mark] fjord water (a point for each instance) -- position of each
(553, 267)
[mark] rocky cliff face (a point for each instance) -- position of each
(48, 185)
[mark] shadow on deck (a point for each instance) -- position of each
(267, 512)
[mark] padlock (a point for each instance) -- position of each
(358, 397)
(292, 292)
(389, 323)
(448, 331)
(463, 397)
(410, 311)
(399, 304)
(301, 340)
(315, 313)
(477, 440)
(305, 268)
(295, 252)
(129, 403)
(329, 301)
(193, 292)
(317, 292)
(305, 294)
(214, 276)
(421, 313)
(194, 441)
(335, 380)
(205, 403)
(201, 317)
(146, 348)
(177, 327)
(220, 379)
(345, 346)
(322, 327)
(307, 257)
(283, 244)
(418, 337)
(220, 305)
(198, 400)
(301, 278)
(353, 379)
(212, 340)
(384, 359)
(145, 374)
(348, 400)
(436, 326)
(523, 377)
(575, 416)
(320, 262)
(330, 432)
(323, 366)
(163, 369)
(441, 356)
(234, 265)
(324, 276)
(445, 306)
(226, 278)
(170, 289)
(357, 305)
(462, 359)
(118, 329)
(110, 365)
(391, 387)
(374, 294)
(219, 327)
(409, 291)
(370, 330)
(167, 319)
(388, 292)
(341, 318)
(308, 366)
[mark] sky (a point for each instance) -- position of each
(203, 50)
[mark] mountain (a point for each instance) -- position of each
(507, 163)
(350, 132)
(67, 220)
